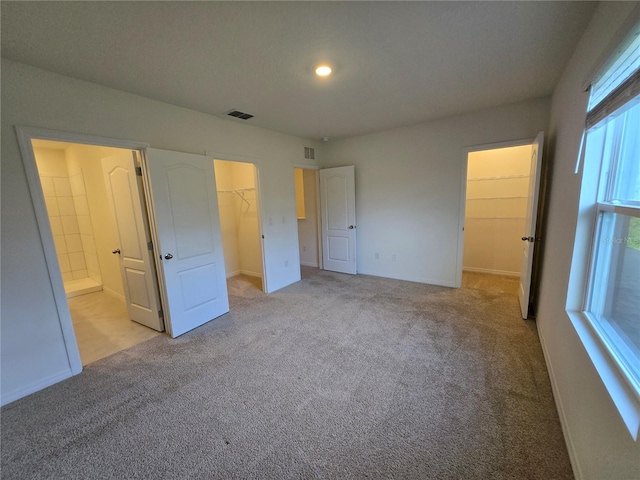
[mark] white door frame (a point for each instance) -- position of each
(260, 211)
(463, 192)
(305, 166)
(25, 135)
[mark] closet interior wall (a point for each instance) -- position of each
(238, 204)
(495, 211)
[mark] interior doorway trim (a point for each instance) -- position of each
(305, 166)
(25, 135)
(229, 157)
(463, 192)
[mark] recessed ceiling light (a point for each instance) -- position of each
(323, 70)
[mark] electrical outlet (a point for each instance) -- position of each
(394, 258)
(304, 248)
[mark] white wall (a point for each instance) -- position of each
(496, 208)
(33, 350)
(599, 443)
(408, 187)
(308, 227)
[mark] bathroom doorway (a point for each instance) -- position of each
(87, 246)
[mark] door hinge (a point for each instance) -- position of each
(149, 245)
(139, 171)
(160, 313)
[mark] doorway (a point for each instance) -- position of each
(497, 192)
(85, 235)
(307, 208)
(239, 207)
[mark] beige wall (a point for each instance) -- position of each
(308, 227)
(495, 211)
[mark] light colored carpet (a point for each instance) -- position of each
(336, 376)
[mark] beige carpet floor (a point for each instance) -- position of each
(333, 377)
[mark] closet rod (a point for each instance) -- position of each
(498, 177)
(241, 195)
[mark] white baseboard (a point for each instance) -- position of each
(573, 458)
(244, 272)
(251, 274)
(35, 386)
(114, 294)
(309, 264)
(489, 271)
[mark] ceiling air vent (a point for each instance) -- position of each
(309, 153)
(240, 115)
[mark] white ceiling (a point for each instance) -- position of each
(395, 63)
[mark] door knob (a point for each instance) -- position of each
(168, 256)
(528, 239)
(351, 227)
(116, 251)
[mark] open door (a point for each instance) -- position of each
(529, 235)
(136, 265)
(338, 212)
(184, 199)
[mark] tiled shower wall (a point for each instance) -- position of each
(69, 218)
(79, 194)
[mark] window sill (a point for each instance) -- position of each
(623, 396)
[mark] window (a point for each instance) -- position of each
(613, 293)
(609, 321)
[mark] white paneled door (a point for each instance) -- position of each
(530, 224)
(338, 211)
(136, 265)
(185, 204)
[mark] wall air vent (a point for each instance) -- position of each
(240, 115)
(309, 153)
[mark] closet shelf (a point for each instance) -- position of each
(497, 177)
(495, 218)
(497, 198)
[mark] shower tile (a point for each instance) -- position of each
(77, 261)
(88, 244)
(70, 224)
(77, 184)
(84, 224)
(74, 243)
(78, 274)
(92, 262)
(56, 225)
(65, 204)
(67, 276)
(61, 246)
(82, 207)
(52, 206)
(62, 186)
(47, 186)
(65, 265)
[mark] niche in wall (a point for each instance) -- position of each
(495, 211)
(238, 204)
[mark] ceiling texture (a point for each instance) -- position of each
(395, 63)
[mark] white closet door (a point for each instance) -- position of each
(183, 192)
(338, 210)
(529, 235)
